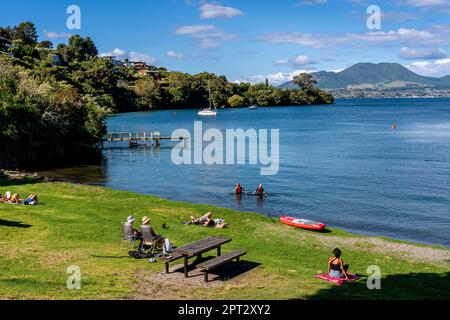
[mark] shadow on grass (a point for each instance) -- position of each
(232, 270)
(322, 231)
(410, 286)
(314, 231)
(225, 272)
(14, 224)
(111, 257)
(4, 182)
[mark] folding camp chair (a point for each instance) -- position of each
(128, 237)
(151, 241)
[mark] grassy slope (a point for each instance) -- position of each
(81, 225)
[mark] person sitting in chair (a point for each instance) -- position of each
(336, 267)
(129, 224)
(148, 234)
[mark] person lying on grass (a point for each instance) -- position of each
(31, 200)
(6, 198)
(15, 199)
(207, 221)
(336, 267)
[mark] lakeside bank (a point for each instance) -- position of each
(80, 225)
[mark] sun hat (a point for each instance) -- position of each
(130, 219)
(145, 220)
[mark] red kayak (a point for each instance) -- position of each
(302, 223)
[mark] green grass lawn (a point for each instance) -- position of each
(81, 225)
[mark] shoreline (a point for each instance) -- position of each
(76, 225)
(27, 177)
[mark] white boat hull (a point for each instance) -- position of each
(207, 113)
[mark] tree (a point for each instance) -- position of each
(21, 50)
(179, 88)
(95, 76)
(81, 49)
(5, 38)
(148, 91)
(26, 31)
(305, 81)
(236, 101)
(221, 90)
(45, 44)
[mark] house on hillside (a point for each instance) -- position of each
(113, 61)
(139, 65)
(127, 63)
(145, 70)
(5, 43)
(56, 59)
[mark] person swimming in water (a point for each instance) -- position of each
(260, 191)
(238, 189)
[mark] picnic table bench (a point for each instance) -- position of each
(195, 250)
(218, 261)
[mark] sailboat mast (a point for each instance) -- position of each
(210, 100)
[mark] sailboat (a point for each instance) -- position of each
(208, 111)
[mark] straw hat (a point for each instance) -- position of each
(145, 220)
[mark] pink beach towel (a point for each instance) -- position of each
(338, 281)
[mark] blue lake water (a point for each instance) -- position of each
(340, 164)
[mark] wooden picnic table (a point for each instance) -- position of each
(196, 249)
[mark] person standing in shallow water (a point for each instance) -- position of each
(336, 267)
(239, 190)
(260, 190)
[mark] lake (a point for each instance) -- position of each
(341, 164)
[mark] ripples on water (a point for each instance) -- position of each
(339, 164)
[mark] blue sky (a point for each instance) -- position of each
(252, 39)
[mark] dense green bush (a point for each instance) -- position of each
(45, 122)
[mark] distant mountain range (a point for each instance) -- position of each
(371, 75)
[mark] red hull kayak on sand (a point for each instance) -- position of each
(302, 223)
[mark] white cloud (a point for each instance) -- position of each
(57, 35)
(439, 5)
(211, 11)
(311, 2)
(195, 29)
(413, 54)
(207, 35)
(438, 68)
(437, 35)
(174, 55)
(274, 78)
(428, 3)
(295, 62)
(132, 56)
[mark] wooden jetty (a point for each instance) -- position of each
(136, 139)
